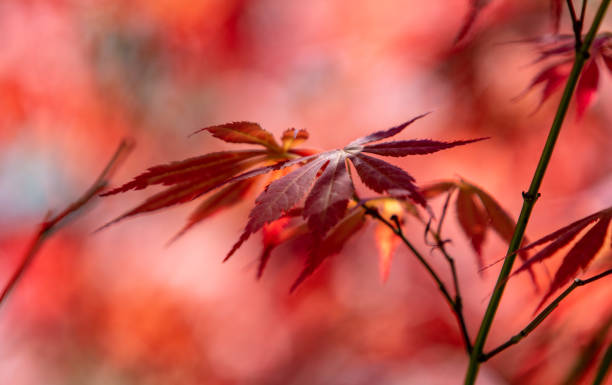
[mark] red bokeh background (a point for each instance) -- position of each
(119, 307)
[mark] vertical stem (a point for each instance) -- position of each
(530, 197)
(604, 367)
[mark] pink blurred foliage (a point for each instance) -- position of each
(117, 307)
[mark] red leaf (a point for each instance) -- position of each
(473, 221)
(475, 7)
(243, 132)
(587, 86)
(189, 169)
(291, 138)
(332, 244)
(326, 204)
(555, 9)
(413, 147)
(433, 190)
(381, 176)
(274, 234)
(222, 199)
(379, 135)
(579, 256)
(280, 196)
(180, 193)
(552, 77)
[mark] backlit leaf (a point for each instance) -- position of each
(379, 135)
(243, 132)
(292, 137)
(587, 86)
(473, 221)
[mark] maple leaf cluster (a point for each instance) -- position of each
(560, 49)
(318, 188)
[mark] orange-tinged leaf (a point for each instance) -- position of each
(199, 167)
(386, 240)
(292, 137)
(224, 198)
(436, 189)
(243, 132)
(473, 221)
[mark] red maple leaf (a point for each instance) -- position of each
(561, 50)
(477, 212)
(320, 180)
(581, 253)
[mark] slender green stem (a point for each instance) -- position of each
(51, 224)
(542, 315)
(456, 306)
(530, 197)
(604, 366)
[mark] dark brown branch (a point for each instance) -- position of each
(52, 223)
(455, 306)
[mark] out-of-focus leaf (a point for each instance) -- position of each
(332, 244)
(581, 253)
(473, 221)
(243, 132)
(292, 137)
(476, 7)
(587, 86)
(433, 190)
(224, 198)
(386, 240)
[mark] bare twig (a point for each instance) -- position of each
(51, 224)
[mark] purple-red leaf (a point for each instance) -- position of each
(224, 198)
(326, 204)
(199, 167)
(381, 176)
(280, 196)
(580, 255)
(379, 135)
(475, 7)
(413, 147)
(243, 132)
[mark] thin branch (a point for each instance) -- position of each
(455, 306)
(51, 224)
(604, 366)
(530, 197)
(542, 315)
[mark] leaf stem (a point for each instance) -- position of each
(456, 306)
(542, 315)
(530, 197)
(50, 224)
(604, 366)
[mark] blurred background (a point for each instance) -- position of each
(119, 307)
